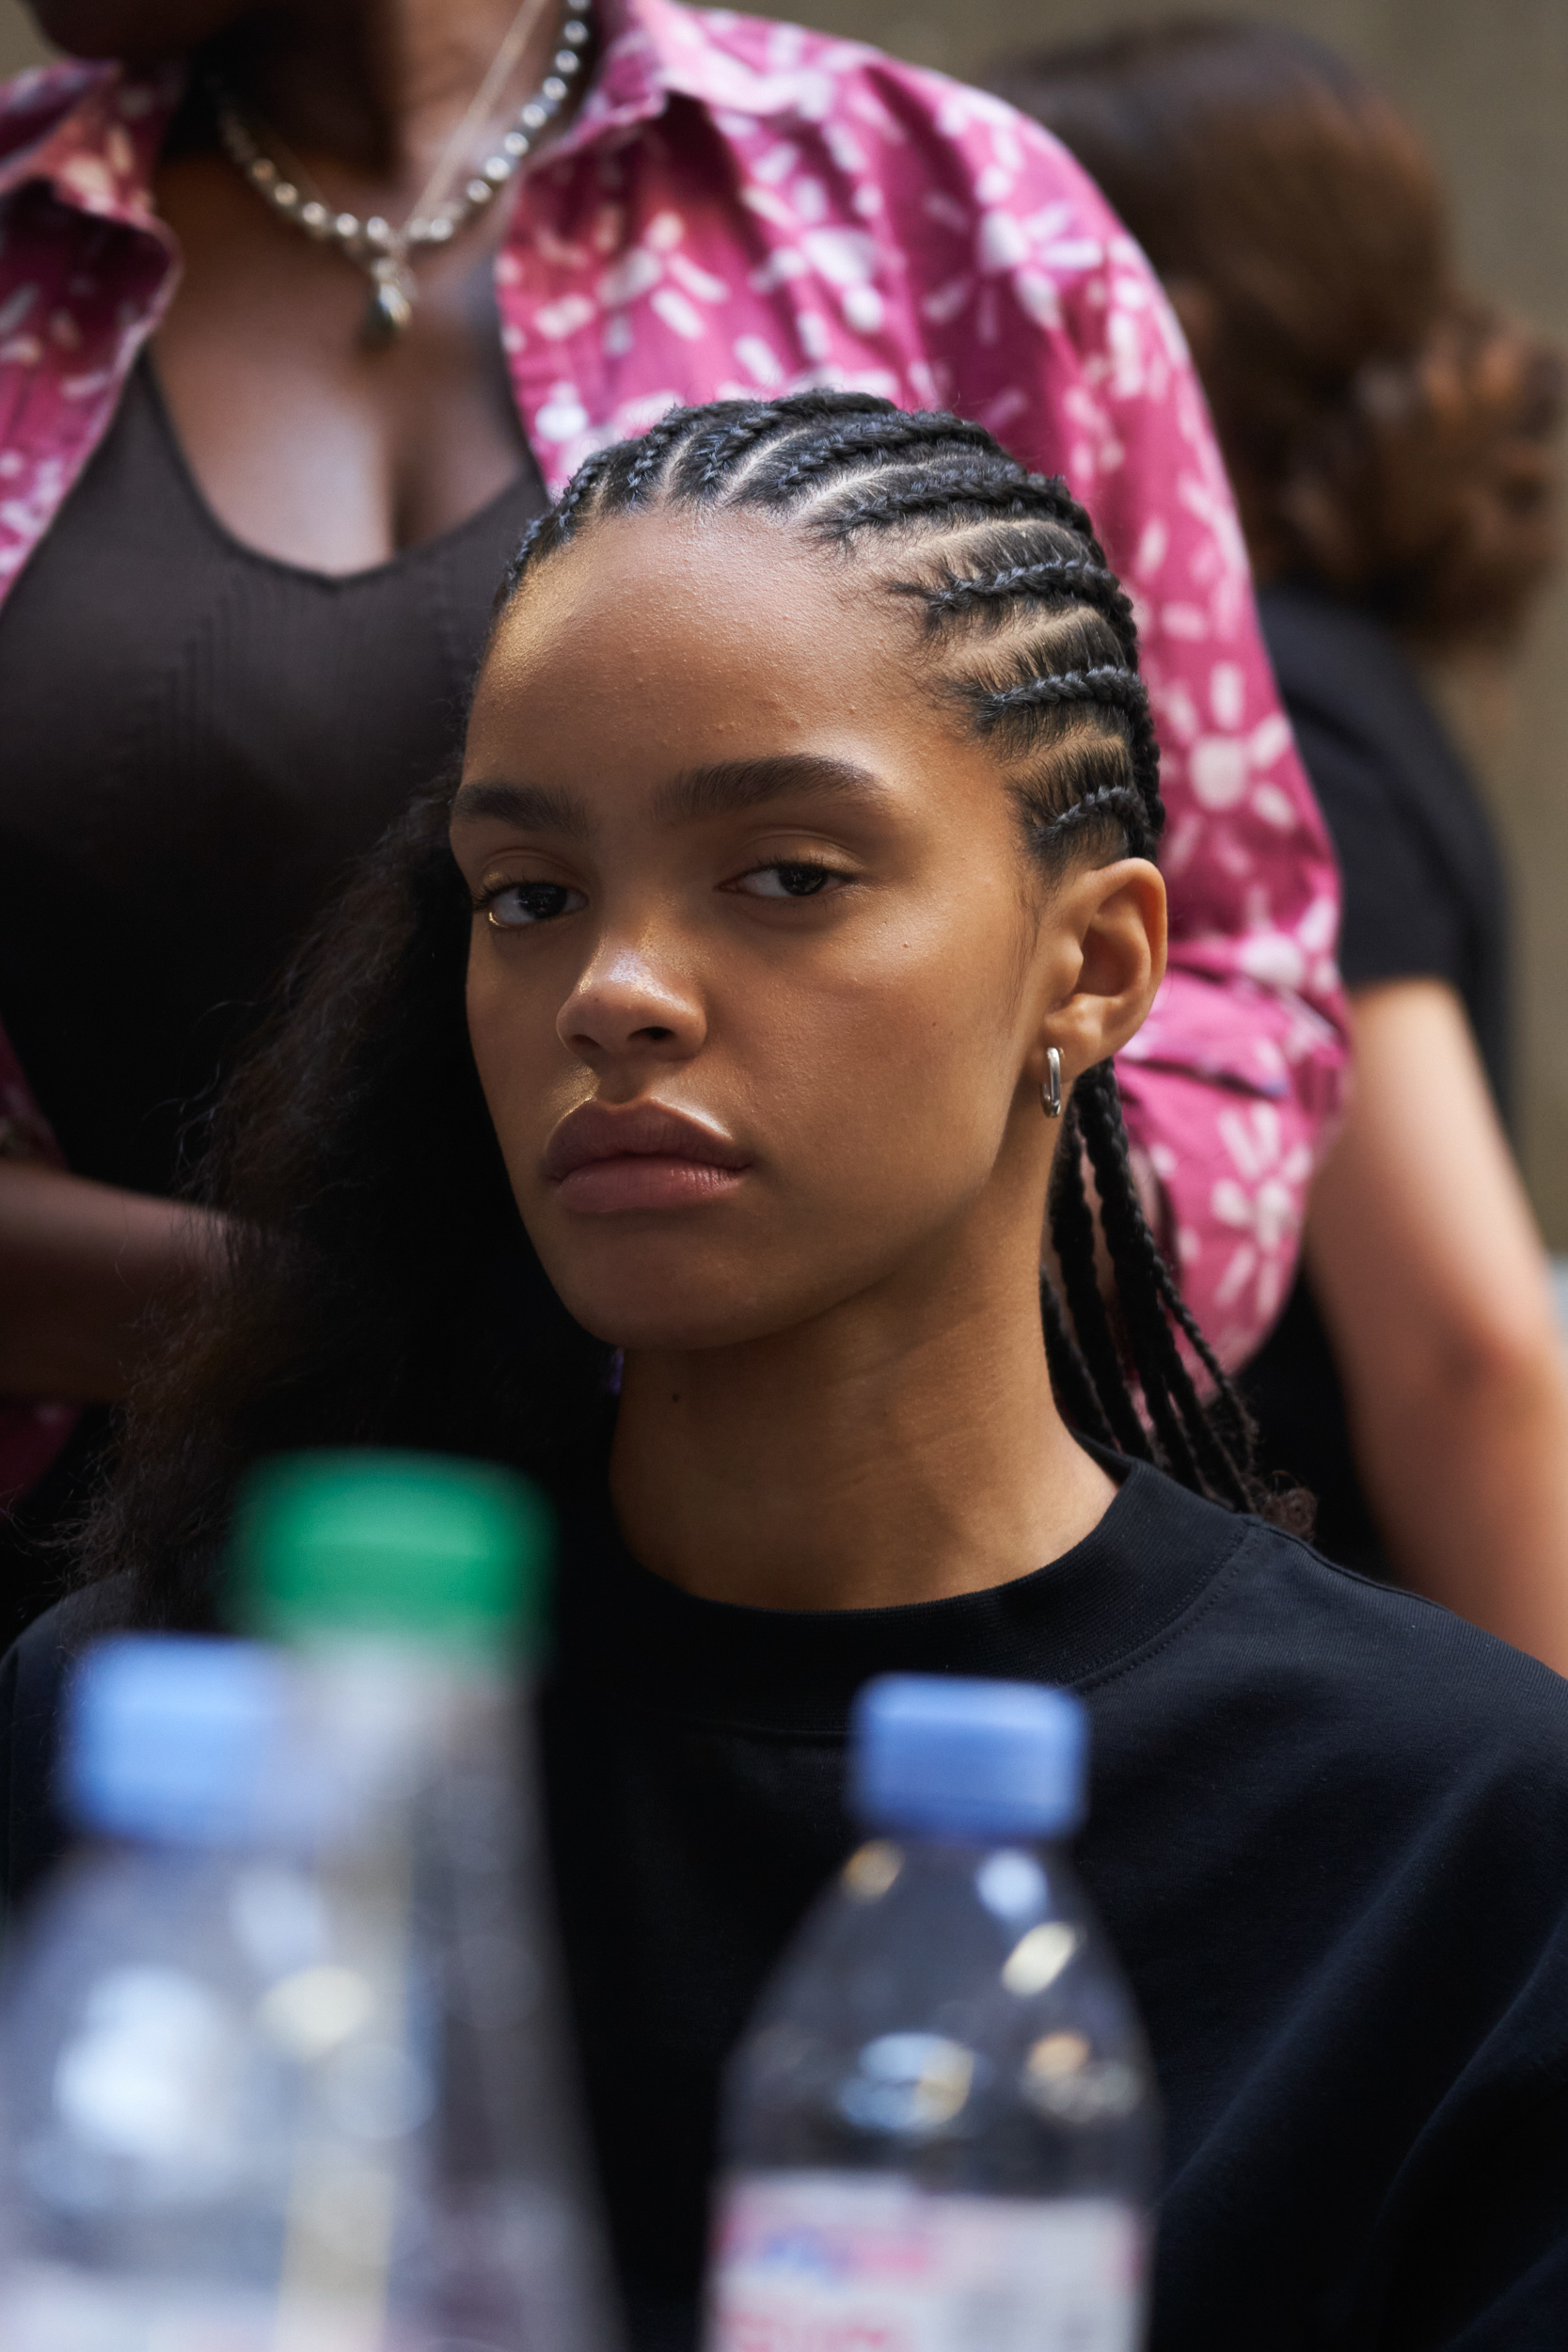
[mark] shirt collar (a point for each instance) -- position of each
(91, 133)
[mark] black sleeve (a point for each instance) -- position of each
(1401, 919)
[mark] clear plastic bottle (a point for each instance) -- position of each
(939, 2134)
(282, 2064)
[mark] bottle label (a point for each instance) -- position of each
(835, 2262)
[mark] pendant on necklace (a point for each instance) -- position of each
(392, 304)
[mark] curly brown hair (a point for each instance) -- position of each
(1384, 431)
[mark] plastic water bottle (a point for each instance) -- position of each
(939, 2134)
(282, 2067)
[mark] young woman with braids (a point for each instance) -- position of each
(741, 1012)
(250, 527)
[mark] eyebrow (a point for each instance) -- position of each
(729, 788)
(736, 785)
(531, 807)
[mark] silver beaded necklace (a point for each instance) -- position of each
(382, 252)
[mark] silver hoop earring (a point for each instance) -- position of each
(1051, 1093)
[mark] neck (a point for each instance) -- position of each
(904, 1447)
(374, 88)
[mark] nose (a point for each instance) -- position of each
(628, 1004)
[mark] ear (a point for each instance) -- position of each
(1104, 958)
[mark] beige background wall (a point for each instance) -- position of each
(1489, 86)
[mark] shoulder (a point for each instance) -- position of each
(1342, 665)
(1377, 1688)
(967, 164)
(1305, 619)
(1335, 1766)
(1384, 768)
(949, 231)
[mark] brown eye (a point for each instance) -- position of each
(788, 881)
(517, 905)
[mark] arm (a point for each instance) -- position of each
(80, 1267)
(1430, 1278)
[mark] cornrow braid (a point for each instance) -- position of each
(936, 491)
(718, 455)
(551, 528)
(868, 435)
(578, 491)
(1011, 572)
(1121, 800)
(735, 426)
(651, 452)
(522, 556)
(1055, 577)
(1107, 686)
(1108, 683)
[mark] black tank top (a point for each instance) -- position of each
(198, 740)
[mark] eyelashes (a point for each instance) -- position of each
(788, 877)
(517, 906)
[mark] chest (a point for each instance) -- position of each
(309, 446)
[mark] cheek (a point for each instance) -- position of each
(515, 1049)
(487, 1012)
(894, 1082)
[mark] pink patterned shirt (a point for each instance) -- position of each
(743, 207)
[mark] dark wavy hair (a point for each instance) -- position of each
(1384, 431)
(377, 1286)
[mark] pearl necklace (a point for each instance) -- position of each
(374, 245)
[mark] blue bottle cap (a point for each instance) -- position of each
(174, 1738)
(937, 1757)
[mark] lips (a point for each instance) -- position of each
(644, 1156)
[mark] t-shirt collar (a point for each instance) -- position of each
(1120, 1592)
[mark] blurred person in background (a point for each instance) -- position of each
(294, 338)
(1390, 443)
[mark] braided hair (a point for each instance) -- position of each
(1034, 645)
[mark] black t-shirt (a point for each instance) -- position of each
(1424, 898)
(1328, 1836)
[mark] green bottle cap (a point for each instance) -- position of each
(410, 1547)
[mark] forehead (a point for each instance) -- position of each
(650, 630)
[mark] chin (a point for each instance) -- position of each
(630, 1303)
(659, 1324)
